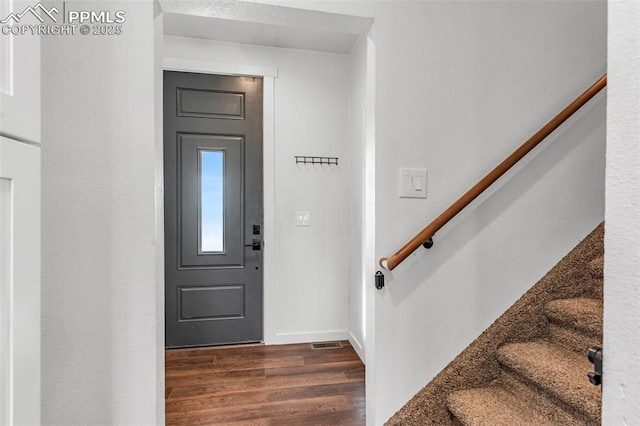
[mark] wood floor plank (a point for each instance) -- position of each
(353, 391)
(214, 389)
(220, 415)
(351, 417)
(206, 402)
(258, 385)
(171, 354)
(257, 422)
(336, 418)
(202, 379)
(237, 365)
(348, 367)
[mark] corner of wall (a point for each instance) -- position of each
(621, 388)
(158, 37)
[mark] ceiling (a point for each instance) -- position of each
(263, 25)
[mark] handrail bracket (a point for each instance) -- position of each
(428, 244)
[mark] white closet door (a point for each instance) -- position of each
(19, 283)
(20, 74)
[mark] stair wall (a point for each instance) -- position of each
(577, 275)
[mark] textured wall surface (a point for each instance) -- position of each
(100, 319)
(621, 394)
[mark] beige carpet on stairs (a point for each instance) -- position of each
(529, 367)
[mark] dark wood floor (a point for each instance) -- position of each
(265, 385)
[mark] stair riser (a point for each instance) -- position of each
(583, 315)
(555, 410)
(455, 421)
(572, 339)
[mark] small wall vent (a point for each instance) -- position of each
(326, 345)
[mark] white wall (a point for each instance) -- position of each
(159, 209)
(100, 321)
(310, 288)
(459, 86)
(621, 393)
(485, 78)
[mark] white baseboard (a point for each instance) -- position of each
(307, 337)
(358, 347)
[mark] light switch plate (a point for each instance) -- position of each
(302, 219)
(413, 183)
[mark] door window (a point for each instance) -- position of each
(211, 201)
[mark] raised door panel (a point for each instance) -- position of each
(20, 72)
(19, 283)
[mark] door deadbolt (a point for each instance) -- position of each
(255, 245)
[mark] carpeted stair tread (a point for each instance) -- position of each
(581, 313)
(493, 406)
(561, 373)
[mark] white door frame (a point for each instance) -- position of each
(269, 74)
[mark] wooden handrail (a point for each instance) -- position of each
(488, 180)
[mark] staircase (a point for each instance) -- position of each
(542, 382)
(530, 367)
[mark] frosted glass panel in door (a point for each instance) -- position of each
(211, 201)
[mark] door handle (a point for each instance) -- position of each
(256, 244)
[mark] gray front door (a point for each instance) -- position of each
(213, 209)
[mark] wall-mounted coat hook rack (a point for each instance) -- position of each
(304, 159)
